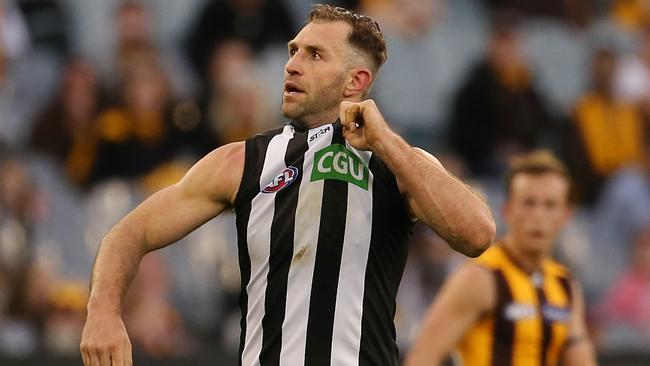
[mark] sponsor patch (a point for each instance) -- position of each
(320, 133)
(282, 180)
(338, 162)
(556, 314)
(517, 311)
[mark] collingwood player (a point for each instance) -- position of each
(323, 209)
(514, 305)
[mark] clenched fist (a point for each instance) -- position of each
(363, 125)
(104, 341)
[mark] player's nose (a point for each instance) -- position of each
(293, 66)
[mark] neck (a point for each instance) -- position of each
(529, 261)
(313, 121)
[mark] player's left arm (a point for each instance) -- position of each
(434, 195)
(578, 350)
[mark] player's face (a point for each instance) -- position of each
(315, 73)
(536, 210)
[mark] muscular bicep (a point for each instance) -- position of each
(447, 205)
(207, 189)
(464, 298)
(579, 350)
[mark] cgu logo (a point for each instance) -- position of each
(283, 180)
(337, 162)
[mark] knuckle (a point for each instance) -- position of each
(88, 347)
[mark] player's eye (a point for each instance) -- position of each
(316, 56)
(551, 205)
(292, 51)
(529, 202)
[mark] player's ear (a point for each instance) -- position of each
(358, 82)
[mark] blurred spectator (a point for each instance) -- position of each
(49, 229)
(14, 44)
(626, 308)
(576, 12)
(497, 112)
(134, 25)
(559, 54)
(633, 76)
(29, 72)
(148, 299)
(299, 8)
(137, 135)
(430, 261)
(258, 23)
(607, 133)
(426, 58)
(66, 129)
(235, 105)
(46, 22)
(632, 15)
(621, 211)
(18, 215)
(64, 316)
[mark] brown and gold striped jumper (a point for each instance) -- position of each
(530, 322)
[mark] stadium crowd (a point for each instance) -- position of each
(104, 102)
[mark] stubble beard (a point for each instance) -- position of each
(317, 106)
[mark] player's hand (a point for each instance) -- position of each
(104, 341)
(363, 125)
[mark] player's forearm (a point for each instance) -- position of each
(421, 355)
(580, 354)
(116, 264)
(447, 204)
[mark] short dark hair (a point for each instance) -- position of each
(537, 162)
(365, 36)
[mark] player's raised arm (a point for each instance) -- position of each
(204, 192)
(578, 350)
(464, 298)
(434, 195)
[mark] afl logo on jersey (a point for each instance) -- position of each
(283, 180)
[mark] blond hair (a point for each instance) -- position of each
(537, 162)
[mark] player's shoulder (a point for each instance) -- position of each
(256, 145)
(217, 174)
(268, 133)
(474, 283)
(229, 155)
(473, 272)
(493, 258)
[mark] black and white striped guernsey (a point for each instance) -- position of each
(322, 235)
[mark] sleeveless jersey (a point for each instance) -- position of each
(530, 323)
(322, 237)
